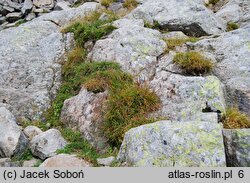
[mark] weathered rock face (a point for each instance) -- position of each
(232, 51)
(173, 144)
(31, 131)
(6, 162)
(237, 145)
(134, 47)
(84, 113)
(30, 77)
(191, 17)
(106, 161)
(185, 98)
(47, 143)
(44, 3)
(235, 11)
(12, 140)
(65, 160)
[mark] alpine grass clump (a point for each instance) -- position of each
(232, 26)
(233, 119)
(193, 63)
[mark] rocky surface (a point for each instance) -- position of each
(47, 143)
(14, 12)
(190, 17)
(65, 160)
(84, 113)
(191, 135)
(174, 144)
(31, 132)
(134, 47)
(12, 139)
(231, 52)
(30, 77)
(237, 143)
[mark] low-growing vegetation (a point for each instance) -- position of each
(213, 2)
(130, 4)
(127, 105)
(234, 119)
(232, 26)
(193, 63)
(90, 29)
(174, 42)
(106, 3)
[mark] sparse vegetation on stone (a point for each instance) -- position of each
(106, 3)
(233, 118)
(193, 63)
(130, 4)
(232, 26)
(213, 1)
(173, 42)
(90, 30)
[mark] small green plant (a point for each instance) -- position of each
(213, 1)
(174, 42)
(106, 3)
(25, 156)
(193, 63)
(130, 4)
(90, 28)
(22, 21)
(78, 145)
(233, 119)
(38, 163)
(232, 26)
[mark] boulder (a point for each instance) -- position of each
(47, 143)
(27, 7)
(134, 47)
(44, 3)
(84, 113)
(12, 140)
(12, 17)
(231, 51)
(65, 160)
(190, 17)
(187, 98)
(30, 163)
(6, 162)
(174, 144)
(237, 145)
(30, 78)
(31, 131)
(106, 161)
(235, 11)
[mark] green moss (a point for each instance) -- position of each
(193, 63)
(232, 26)
(233, 119)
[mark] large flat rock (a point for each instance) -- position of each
(30, 61)
(174, 144)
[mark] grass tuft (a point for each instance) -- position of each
(130, 4)
(193, 63)
(234, 119)
(232, 26)
(174, 42)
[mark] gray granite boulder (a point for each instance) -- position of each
(30, 66)
(190, 17)
(174, 144)
(237, 145)
(47, 143)
(134, 47)
(231, 52)
(12, 139)
(84, 113)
